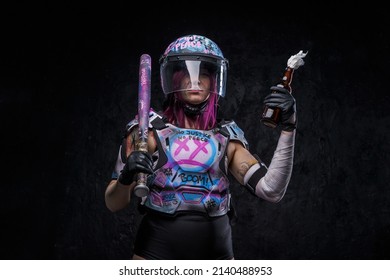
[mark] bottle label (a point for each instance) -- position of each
(269, 113)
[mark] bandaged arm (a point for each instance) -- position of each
(271, 184)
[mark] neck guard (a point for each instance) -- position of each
(193, 110)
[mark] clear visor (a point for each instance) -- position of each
(193, 74)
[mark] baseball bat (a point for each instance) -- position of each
(144, 85)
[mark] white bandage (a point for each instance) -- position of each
(273, 185)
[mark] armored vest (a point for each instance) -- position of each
(191, 168)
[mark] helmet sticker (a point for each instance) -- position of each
(193, 43)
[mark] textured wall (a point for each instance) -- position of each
(68, 93)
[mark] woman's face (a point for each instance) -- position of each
(198, 90)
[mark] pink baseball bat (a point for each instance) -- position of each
(141, 189)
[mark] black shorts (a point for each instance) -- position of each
(184, 237)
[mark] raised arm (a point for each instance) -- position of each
(269, 183)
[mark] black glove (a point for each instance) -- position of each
(137, 162)
(281, 98)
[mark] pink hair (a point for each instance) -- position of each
(174, 110)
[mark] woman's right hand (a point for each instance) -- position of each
(137, 162)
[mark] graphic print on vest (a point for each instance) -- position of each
(193, 150)
(190, 179)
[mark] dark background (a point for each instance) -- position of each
(69, 83)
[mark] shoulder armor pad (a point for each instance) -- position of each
(234, 132)
(152, 116)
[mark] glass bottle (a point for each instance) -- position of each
(271, 116)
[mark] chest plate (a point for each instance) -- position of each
(193, 150)
(190, 177)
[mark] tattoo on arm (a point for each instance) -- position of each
(134, 138)
(243, 169)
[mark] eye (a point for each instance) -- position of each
(204, 73)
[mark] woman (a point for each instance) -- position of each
(189, 156)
